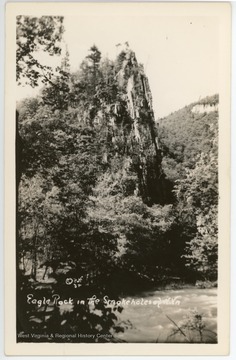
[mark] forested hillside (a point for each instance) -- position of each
(107, 197)
(189, 142)
(186, 133)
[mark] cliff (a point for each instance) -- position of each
(129, 132)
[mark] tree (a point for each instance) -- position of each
(56, 93)
(41, 211)
(94, 58)
(197, 196)
(62, 163)
(89, 73)
(144, 234)
(32, 35)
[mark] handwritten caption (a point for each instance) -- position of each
(57, 300)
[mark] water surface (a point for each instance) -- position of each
(153, 323)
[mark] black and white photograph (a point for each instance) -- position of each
(116, 125)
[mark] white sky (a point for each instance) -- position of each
(180, 54)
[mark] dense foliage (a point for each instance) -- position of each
(36, 34)
(105, 196)
(190, 157)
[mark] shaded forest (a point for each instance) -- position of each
(107, 197)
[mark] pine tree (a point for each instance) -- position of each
(57, 92)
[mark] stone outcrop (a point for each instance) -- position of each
(132, 132)
(205, 108)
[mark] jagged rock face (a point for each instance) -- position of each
(128, 130)
(205, 108)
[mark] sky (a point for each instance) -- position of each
(180, 53)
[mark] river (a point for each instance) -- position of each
(186, 315)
